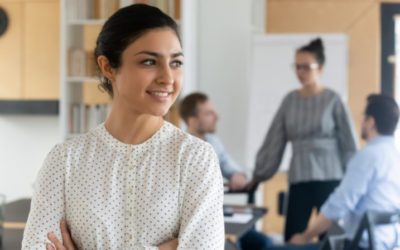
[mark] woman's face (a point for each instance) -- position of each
(307, 68)
(150, 76)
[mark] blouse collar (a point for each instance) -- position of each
(115, 143)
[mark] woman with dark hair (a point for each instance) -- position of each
(136, 181)
(314, 119)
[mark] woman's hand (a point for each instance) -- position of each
(66, 238)
(169, 245)
(251, 186)
(237, 182)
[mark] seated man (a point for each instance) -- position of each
(201, 118)
(371, 182)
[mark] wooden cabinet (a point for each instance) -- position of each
(11, 53)
(29, 61)
(41, 50)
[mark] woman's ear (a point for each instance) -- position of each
(106, 68)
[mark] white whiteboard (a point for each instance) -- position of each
(272, 77)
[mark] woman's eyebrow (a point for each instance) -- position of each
(148, 53)
(155, 54)
(177, 54)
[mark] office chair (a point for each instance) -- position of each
(368, 222)
(2, 204)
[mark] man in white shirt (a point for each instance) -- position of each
(371, 182)
(201, 119)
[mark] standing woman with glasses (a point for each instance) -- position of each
(316, 122)
(136, 181)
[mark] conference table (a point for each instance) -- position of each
(16, 215)
(235, 230)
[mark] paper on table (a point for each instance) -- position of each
(238, 218)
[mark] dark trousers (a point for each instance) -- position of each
(254, 240)
(311, 246)
(303, 197)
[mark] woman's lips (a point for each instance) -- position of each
(160, 95)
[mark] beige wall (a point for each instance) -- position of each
(360, 20)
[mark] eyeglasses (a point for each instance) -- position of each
(305, 67)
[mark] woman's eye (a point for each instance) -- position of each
(149, 62)
(177, 64)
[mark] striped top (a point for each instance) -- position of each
(322, 137)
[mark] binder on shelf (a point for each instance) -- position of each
(167, 6)
(72, 7)
(75, 118)
(177, 9)
(171, 8)
(92, 122)
(76, 62)
(114, 6)
(82, 9)
(82, 119)
(137, 1)
(85, 117)
(96, 9)
(91, 67)
(161, 4)
(81, 63)
(124, 3)
(90, 8)
(103, 9)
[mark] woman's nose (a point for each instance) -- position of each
(165, 75)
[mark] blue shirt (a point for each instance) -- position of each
(227, 164)
(371, 183)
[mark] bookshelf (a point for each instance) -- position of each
(82, 105)
(86, 22)
(78, 79)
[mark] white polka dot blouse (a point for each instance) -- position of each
(120, 196)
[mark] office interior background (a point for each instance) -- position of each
(221, 41)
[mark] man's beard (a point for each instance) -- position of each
(206, 130)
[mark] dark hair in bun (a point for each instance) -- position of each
(317, 48)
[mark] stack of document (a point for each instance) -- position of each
(240, 218)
